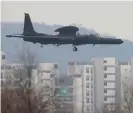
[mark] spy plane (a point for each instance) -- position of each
(67, 35)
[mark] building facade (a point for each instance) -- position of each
(97, 84)
(107, 83)
(64, 94)
(82, 86)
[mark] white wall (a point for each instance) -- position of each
(110, 93)
(125, 75)
(77, 94)
(110, 100)
(88, 106)
(110, 61)
(124, 69)
(110, 85)
(110, 77)
(110, 70)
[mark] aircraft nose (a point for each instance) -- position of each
(121, 41)
(8, 35)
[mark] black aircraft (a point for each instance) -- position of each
(67, 35)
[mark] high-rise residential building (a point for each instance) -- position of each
(44, 75)
(63, 96)
(82, 86)
(12, 73)
(97, 83)
(76, 70)
(125, 75)
(88, 91)
(87, 88)
(126, 80)
(107, 83)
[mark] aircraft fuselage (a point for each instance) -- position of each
(75, 40)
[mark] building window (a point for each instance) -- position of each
(87, 77)
(88, 109)
(87, 70)
(105, 68)
(87, 100)
(87, 94)
(105, 76)
(105, 83)
(105, 98)
(91, 85)
(91, 70)
(105, 61)
(1, 75)
(87, 85)
(41, 81)
(2, 82)
(3, 57)
(91, 78)
(8, 67)
(105, 91)
(2, 67)
(56, 66)
(91, 100)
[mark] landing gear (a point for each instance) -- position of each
(41, 45)
(75, 48)
(57, 44)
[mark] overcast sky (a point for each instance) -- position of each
(115, 18)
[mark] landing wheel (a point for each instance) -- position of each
(75, 48)
(41, 45)
(57, 44)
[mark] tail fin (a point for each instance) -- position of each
(28, 27)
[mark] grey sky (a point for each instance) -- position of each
(115, 18)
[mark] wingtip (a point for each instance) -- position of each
(8, 35)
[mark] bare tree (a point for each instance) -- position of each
(6, 97)
(128, 98)
(110, 108)
(30, 96)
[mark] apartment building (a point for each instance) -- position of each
(88, 90)
(43, 76)
(126, 78)
(76, 71)
(107, 83)
(11, 73)
(97, 83)
(64, 94)
(82, 86)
